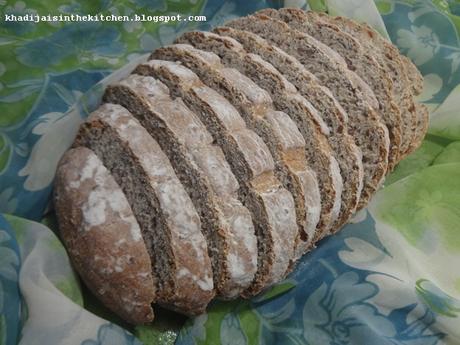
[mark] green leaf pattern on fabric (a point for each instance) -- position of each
(422, 202)
(437, 300)
(450, 154)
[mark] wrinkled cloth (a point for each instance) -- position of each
(389, 277)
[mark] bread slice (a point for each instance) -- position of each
(423, 122)
(393, 62)
(348, 154)
(365, 126)
(359, 61)
(285, 98)
(287, 142)
(160, 204)
(102, 236)
(271, 206)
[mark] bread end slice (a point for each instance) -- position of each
(102, 236)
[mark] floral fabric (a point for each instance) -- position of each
(389, 277)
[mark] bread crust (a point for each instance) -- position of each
(102, 236)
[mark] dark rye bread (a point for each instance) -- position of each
(160, 204)
(287, 145)
(364, 124)
(205, 174)
(285, 98)
(270, 205)
(359, 61)
(347, 153)
(102, 236)
(397, 68)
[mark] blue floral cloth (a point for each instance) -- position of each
(389, 277)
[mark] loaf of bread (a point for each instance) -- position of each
(212, 168)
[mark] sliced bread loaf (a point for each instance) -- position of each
(348, 154)
(365, 125)
(359, 61)
(271, 206)
(285, 98)
(102, 236)
(254, 105)
(160, 204)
